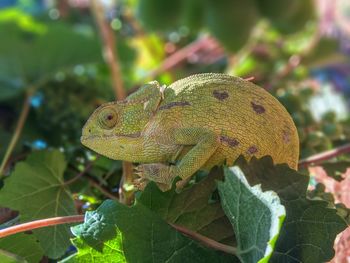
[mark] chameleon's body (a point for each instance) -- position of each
(195, 123)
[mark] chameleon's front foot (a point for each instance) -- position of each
(160, 173)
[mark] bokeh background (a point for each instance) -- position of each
(59, 60)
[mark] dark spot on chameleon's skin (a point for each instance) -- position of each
(232, 142)
(220, 95)
(257, 108)
(174, 104)
(286, 136)
(252, 149)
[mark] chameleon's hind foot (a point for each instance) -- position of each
(160, 173)
(140, 183)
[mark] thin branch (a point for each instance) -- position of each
(180, 55)
(79, 175)
(110, 52)
(320, 157)
(102, 189)
(41, 223)
(80, 218)
(205, 240)
(176, 58)
(95, 184)
(19, 127)
(111, 57)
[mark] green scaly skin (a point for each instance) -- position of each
(195, 123)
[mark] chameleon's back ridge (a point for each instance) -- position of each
(196, 123)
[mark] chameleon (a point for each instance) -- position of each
(196, 123)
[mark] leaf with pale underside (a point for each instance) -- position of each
(145, 236)
(36, 189)
(256, 216)
(310, 226)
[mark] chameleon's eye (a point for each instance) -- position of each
(108, 118)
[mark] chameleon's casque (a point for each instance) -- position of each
(195, 123)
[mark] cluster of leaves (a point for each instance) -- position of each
(224, 18)
(262, 209)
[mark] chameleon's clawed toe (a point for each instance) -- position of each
(138, 171)
(140, 183)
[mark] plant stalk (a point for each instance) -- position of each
(40, 223)
(112, 60)
(80, 218)
(323, 156)
(19, 127)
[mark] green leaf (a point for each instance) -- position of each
(310, 227)
(191, 208)
(7, 257)
(145, 236)
(23, 245)
(159, 14)
(112, 252)
(28, 55)
(223, 17)
(256, 216)
(326, 52)
(36, 190)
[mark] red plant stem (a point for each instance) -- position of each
(102, 189)
(110, 52)
(41, 223)
(320, 157)
(80, 218)
(180, 56)
(79, 175)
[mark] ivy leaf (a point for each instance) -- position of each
(192, 207)
(36, 190)
(156, 240)
(24, 246)
(310, 227)
(256, 216)
(112, 252)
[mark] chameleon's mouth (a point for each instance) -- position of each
(87, 138)
(116, 147)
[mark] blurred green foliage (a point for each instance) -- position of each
(231, 21)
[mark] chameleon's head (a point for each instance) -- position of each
(113, 128)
